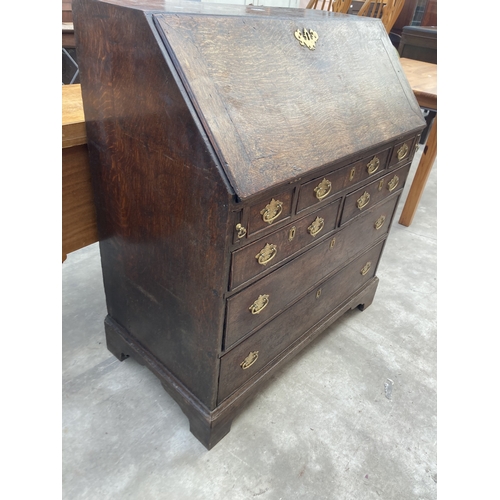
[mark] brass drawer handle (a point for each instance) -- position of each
(240, 231)
(272, 211)
(316, 227)
(379, 222)
(363, 200)
(259, 304)
(249, 360)
(373, 165)
(403, 151)
(393, 183)
(323, 189)
(267, 254)
(366, 268)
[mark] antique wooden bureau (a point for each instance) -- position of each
(246, 165)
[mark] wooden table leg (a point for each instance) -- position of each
(421, 176)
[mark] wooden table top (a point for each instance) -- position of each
(73, 119)
(422, 77)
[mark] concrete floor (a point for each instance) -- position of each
(353, 418)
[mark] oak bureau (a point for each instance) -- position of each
(246, 165)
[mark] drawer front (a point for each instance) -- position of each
(402, 152)
(270, 211)
(325, 187)
(274, 292)
(368, 196)
(247, 359)
(265, 253)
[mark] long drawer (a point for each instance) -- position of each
(248, 358)
(271, 294)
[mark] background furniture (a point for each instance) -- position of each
(386, 10)
(341, 6)
(423, 76)
(78, 210)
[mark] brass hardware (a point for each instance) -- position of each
(267, 254)
(316, 227)
(291, 234)
(416, 148)
(351, 175)
(259, 304)
(366, 268)
(373, 165)
(318, 293)
(272, 211)
(393, 183)
(240, 230)
(363, 200)
(332, 243)
(307, 38)
(323, 189)
(249, 360)
(381, 185)
(403, 151)
(379, 222)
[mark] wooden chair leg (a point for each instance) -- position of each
(420, 179)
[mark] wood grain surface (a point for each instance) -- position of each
(284, 110)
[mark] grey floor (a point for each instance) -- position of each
(353, 418)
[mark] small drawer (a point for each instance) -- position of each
(270, 211)
(368, 196)
(325, 187)
(402, 152)
(252, 355)
(265, 253)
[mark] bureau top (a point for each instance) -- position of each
(282, 92)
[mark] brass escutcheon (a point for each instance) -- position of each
(363, 200)
(393, 183)
(291, 234)
(373, 165)
(259, 304)
(272, 211)
(381, 184)
(318, 293)
(332, 243)
(267, 254)
(403, 151)
(240, 231)
(379, 222)
(307, 38)
(352, 174)
(316, 227)
(249, 360)
(366, 268)
(323, 189)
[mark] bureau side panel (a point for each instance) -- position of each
(162, 204)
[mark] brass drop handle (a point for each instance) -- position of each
(366, 268)
(272, 211)
(259, 304)
(379, 222)
(393, 183)
(363, 200)
(323, 189)
(240, 231)
(373, 165)
(316, 227)
(267, 254)
(403, 151)
(249, 360)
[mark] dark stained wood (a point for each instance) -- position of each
(187, 148)
(430, 14)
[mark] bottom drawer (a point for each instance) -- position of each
(248, 358)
